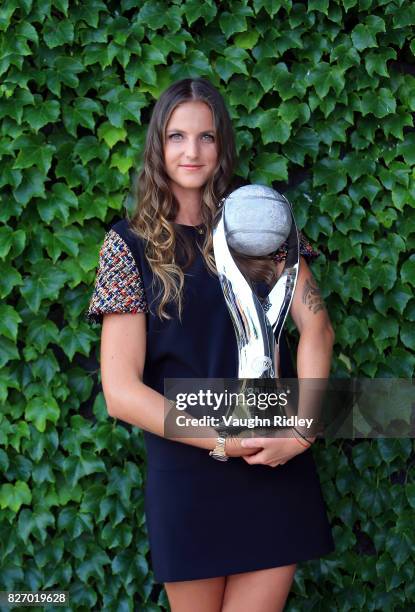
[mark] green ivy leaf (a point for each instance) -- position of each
(6, 241)
(363, 37)
(335, 205)
(397, 299)
(139, 71)
(62, 239)
(33, 152)
(272, 128)
(352, 222)
(42, 114)
(371, 498)
(246, 40)
(40, 332)
(74, 340)
(387, 570)
(407, 148)
(8, 352)
(58, 204)
(270, 6)
(80, 113)
(304, 142)
(352, 330)
(381, 105)
(347, 251)
(44, 283)
(367, 187)
(74, 522)
(123, 564)
(318, 5)
(56, 33)
(93, 565)
(291, 111)
(325, 76)
(42, 409)
(14, 496)
(383, 327)
(236, 21)
(92, 54)
(404, 18)
(31, 185)
(155, 15)
(381, 274)
(196, 65)
(110, 134)
(126, 107)
(408, 271)
(244, 92)
(9, 321)
(76, 467)
(123, 161)
(284, 82)
(45, 367)
(194, 10)
(400, 363)
(330, 172)
(407, 335)
(265, 71)
(88, 148)
(232, 62)
(376, 61)
(356, 166)
(410, 494)
(9, 279)
(394, 124)
(355, 280)
(269, 167)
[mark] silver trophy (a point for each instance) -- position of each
(256, 220)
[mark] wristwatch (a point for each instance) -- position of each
(219, 451)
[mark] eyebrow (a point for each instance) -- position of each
(183, 132)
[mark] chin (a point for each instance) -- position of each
(191, 184)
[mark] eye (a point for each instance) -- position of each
(175, 136)
(208, 137)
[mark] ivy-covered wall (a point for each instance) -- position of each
(321, 93)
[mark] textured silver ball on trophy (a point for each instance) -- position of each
(256, 220)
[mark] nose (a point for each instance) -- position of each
(192, 148)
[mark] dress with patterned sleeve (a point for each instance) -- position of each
(265, 517)
(118, 284)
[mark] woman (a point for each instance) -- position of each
(223, 536)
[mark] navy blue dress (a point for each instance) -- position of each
(206, 518)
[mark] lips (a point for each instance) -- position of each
(190, 166)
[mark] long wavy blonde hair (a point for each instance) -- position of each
(156, 206)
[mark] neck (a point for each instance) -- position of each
(189, 212)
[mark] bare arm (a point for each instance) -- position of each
(316, 339)
(123, 351)
(312, 321)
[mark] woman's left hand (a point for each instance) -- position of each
(274, 451)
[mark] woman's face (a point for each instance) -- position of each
(190, 151)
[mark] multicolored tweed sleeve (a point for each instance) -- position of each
(118, 284)
(306, 250)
